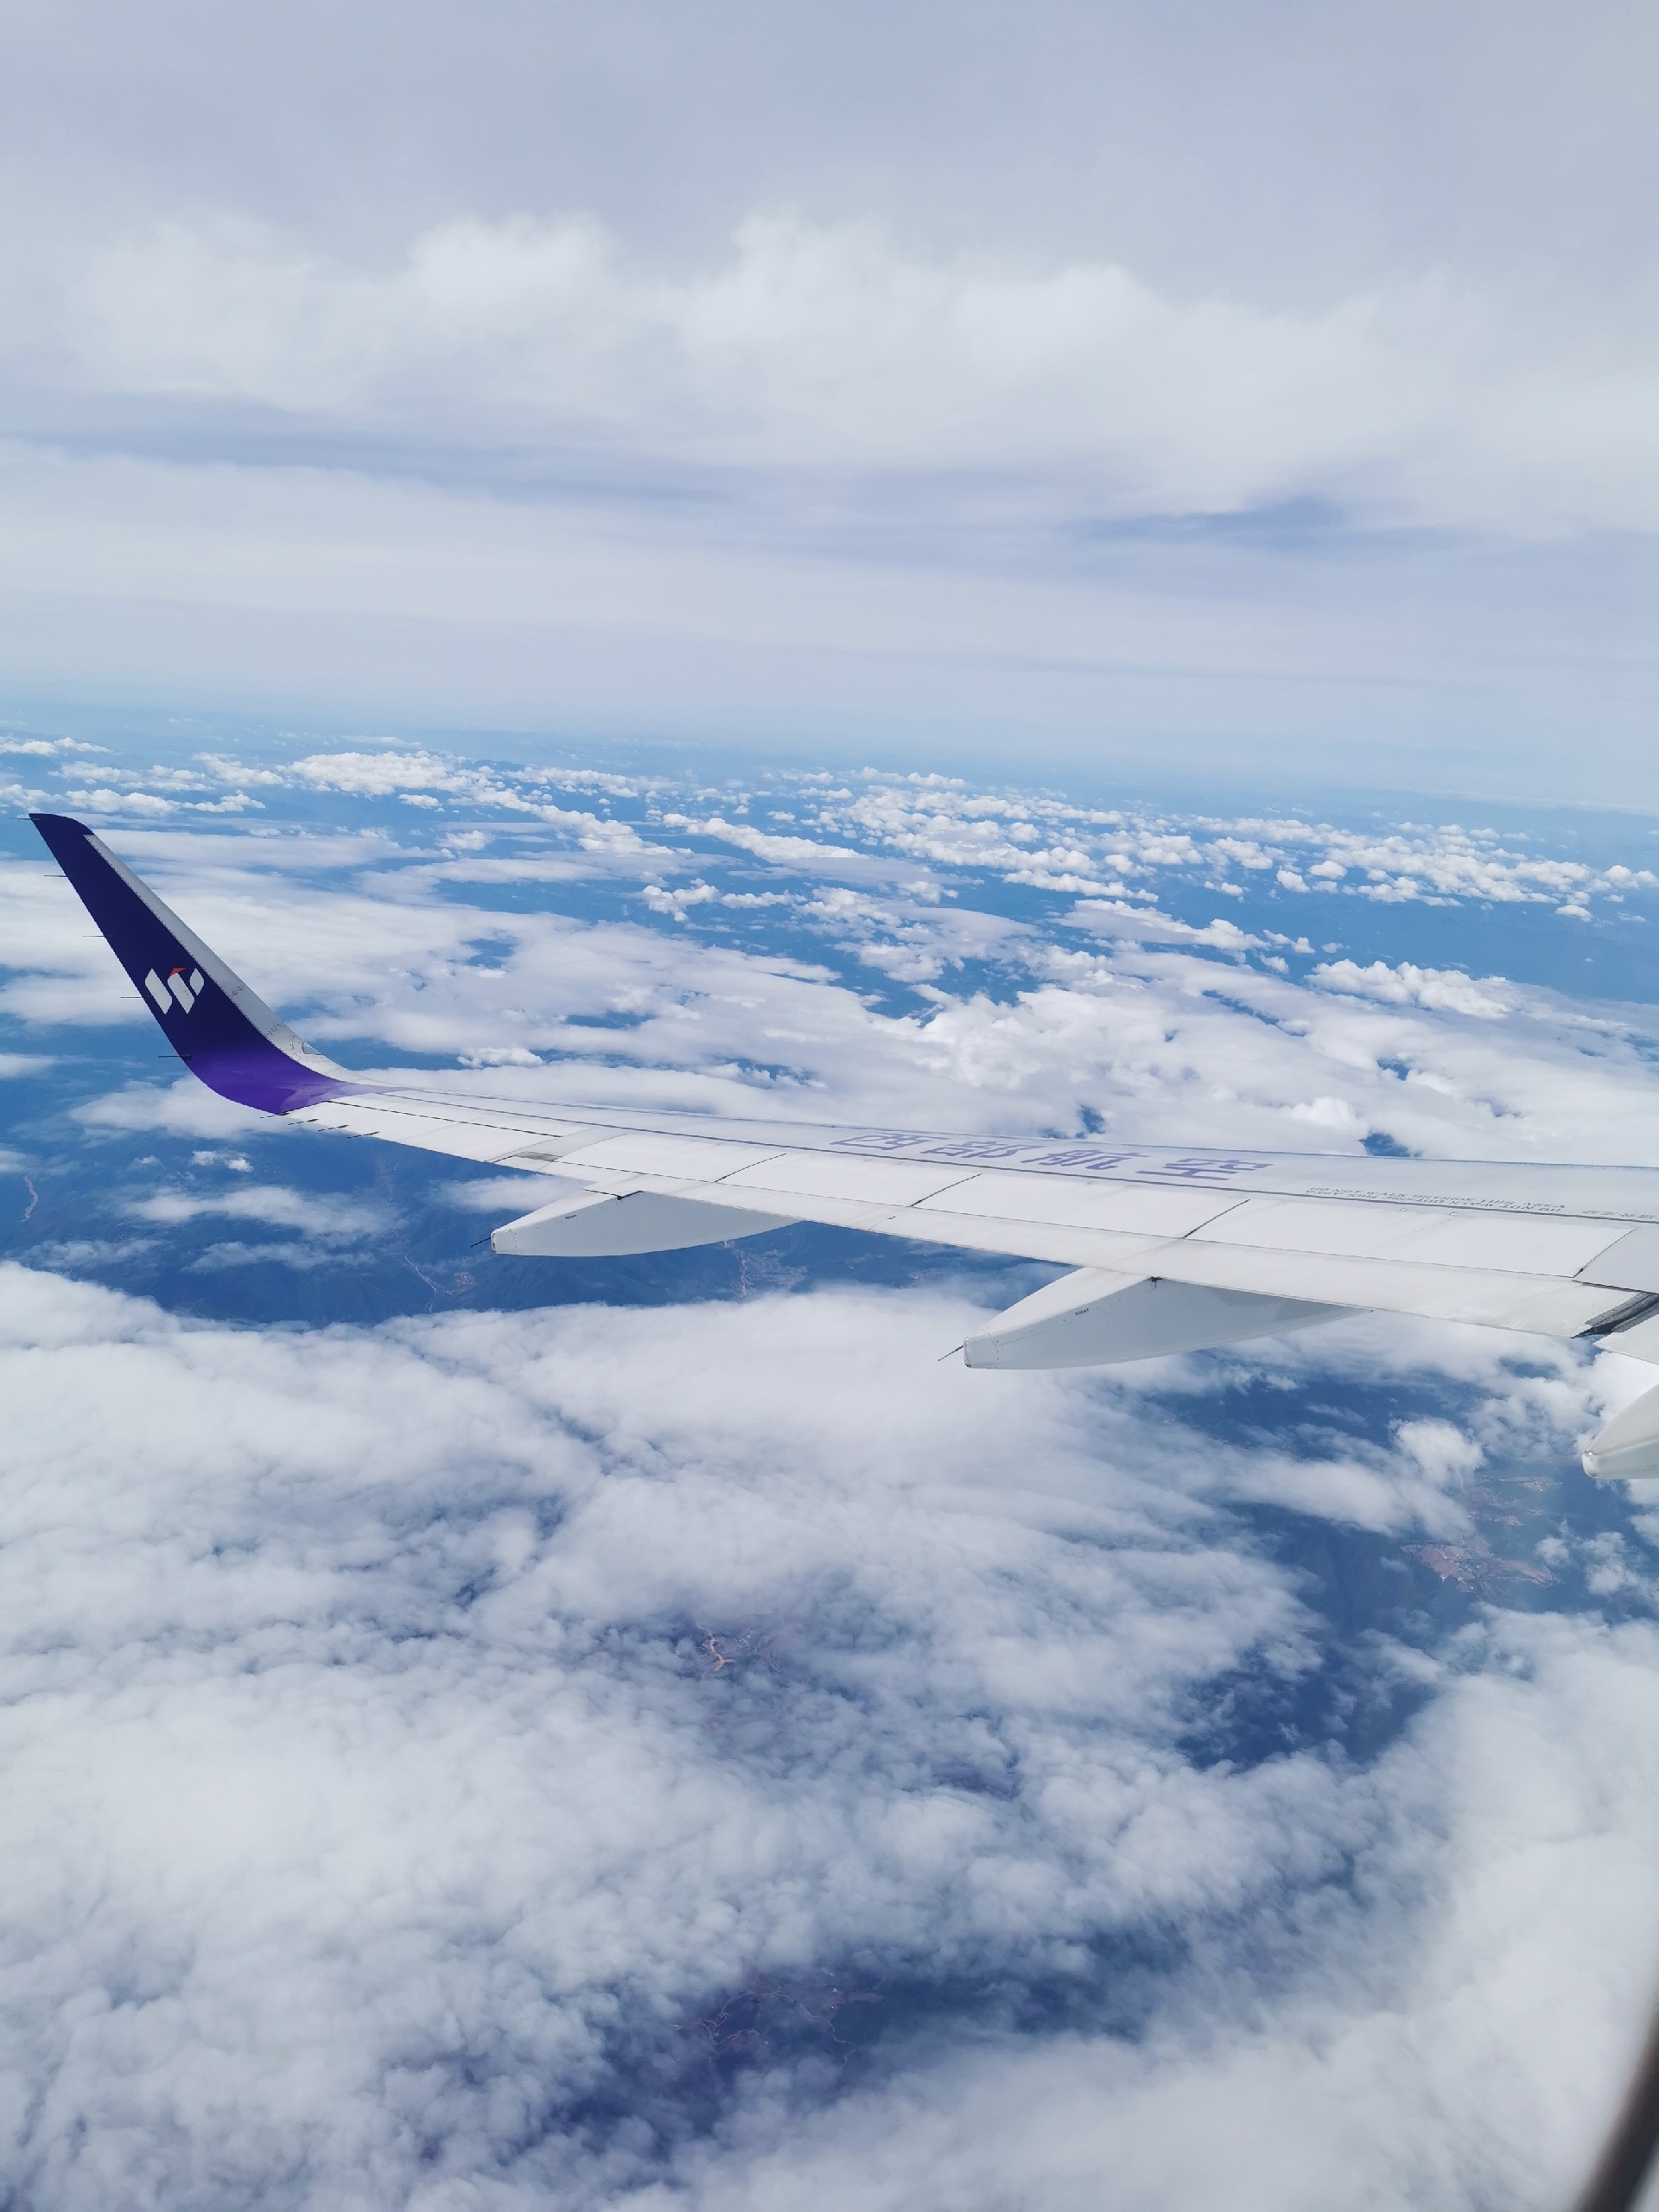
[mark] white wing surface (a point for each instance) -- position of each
(1561, 1251)
(1172, 1248)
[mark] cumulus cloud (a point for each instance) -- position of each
(506, 1755)
(373, 775)
(1453, 2070)
(1326, 1113)
(1406, 984)
(987, 1023)
(444, 1763)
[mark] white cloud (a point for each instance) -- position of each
(808, 853)
(1480, 2060)
(1326, 1113)
(509, 1193)
(813, 343)
(184, 1108)
(1445, 988)
(501, 1056)
(286, 1798)
(299, 1257)
(314, 1216)
(374, 775)
(469, 1705)
(108, 801)
(954, 823)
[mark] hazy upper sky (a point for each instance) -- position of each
(1264, 384)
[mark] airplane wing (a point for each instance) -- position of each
(1170, 1248)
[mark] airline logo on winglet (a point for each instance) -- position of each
(175, 990)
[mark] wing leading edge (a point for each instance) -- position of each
(1172, 1249)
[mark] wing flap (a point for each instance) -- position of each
(1631, 1262)
(1520, 1242)
(1487, 1296)
(1020, 1240)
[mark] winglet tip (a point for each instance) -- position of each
(51, 824)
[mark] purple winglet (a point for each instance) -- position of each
(222, 1032)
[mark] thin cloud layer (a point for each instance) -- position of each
(816, 347)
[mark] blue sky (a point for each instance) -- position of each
(1267, 389)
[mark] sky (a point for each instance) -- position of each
(1264, 390)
